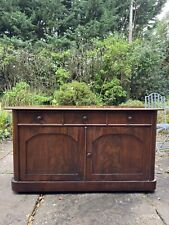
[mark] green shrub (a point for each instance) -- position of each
(133, 103)
(113, 93)
(5, 125)
(75, 93)
(62, 76)
(21, 95)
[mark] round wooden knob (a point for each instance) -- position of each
(89, 154)
(84, 117)
(130, 117)
(39, 118)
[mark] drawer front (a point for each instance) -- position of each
(129, 117)
(40, 117)
(84, 117)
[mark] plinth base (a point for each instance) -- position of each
(83, 186)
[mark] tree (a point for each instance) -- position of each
(131, 22)
(13, 22)
(150, 67)
(29, 19)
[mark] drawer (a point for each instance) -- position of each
(84, 117)
(40, 117)
(129, 117)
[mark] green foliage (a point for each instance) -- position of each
(75, 93)
(132, 103)
(73, 20)
(146, 11)
(140, 68)
(16, 24)
(149, 68)
(116, 56)
(115, 61)
(161, 117)
(49, 43)
(62, 76)
(34, 68)
(21, 95)
(5, 125)
(113, 93)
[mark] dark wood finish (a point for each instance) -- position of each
(83, 149)
(55, 153)
(130, 117)
(79, 108)
(84, 117)
(16, 160)
(40, 117)
(79, 186)
(118, 153)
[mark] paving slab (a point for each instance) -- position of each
(97, 209)
(14, 208)
(112, 208)
(160, 198)
(5, 148)
(6, 164)
(6, 157)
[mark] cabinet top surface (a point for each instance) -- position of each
(93, 108)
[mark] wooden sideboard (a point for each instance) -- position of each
(59, 149)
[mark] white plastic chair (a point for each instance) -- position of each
(155, 100)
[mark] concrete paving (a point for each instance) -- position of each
(97, 209)
(15, 209)
(84, 209)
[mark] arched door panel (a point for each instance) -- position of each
(117, 153)
(51, 153)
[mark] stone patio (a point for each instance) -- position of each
(83, 209)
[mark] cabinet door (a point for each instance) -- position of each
(118, 153)
(51, 153)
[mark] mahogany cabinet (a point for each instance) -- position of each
(83, 149)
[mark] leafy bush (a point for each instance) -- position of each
(21, 94)
(113, 93)
(133, 103)
(5, 125)
(30, 66)
(75, 93)
(62, 76)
